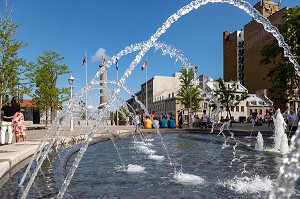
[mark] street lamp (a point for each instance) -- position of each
(190, 116)
(71, 82)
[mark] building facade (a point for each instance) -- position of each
(243, 63)
(161, 95)
(257, 102)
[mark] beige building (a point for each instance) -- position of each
(239, 112)
(161, 95)
(257, 102)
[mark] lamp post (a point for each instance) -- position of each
(190, 112)
(71, 82)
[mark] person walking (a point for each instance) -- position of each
(180, 119)
(137, 121)
(204, 119)
(9, 110)
(292, 121)
(18, 126)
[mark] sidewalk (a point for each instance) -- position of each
(15, 153)
(12, 155)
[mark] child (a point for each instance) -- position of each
(18, 125)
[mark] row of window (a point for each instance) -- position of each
(170, 105)
(237, 109)
(159, 98)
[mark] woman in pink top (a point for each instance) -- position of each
(18, 125)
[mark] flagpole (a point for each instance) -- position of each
(86, 97)
(147, 84)
(117, 100)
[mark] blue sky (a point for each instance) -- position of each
(71, 27)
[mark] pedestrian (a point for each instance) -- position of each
(137, 121)
(180, 119)
(9, 110)
(18, 126)
(147, 123)
(204, 119)
(292, 121)
(163, 122)
(152, 114)
(155, 123)
(172, 123)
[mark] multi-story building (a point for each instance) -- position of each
(161, 95)
(242, 49)
(239, 112)
(257, 102)
(233, 45)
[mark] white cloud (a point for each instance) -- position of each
(98, 55)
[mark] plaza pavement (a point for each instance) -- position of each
(16, 155)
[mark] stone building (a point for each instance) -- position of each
(161, 95)
(259, 103)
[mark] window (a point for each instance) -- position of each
(237, 109)
(242, 109)
(232, 108)
(205, 105)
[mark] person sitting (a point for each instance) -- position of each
(147, 123)
(172, 123)
(163, 123)
(155, 123)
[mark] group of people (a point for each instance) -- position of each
(202, 121)
(12, 121)
(165, 121)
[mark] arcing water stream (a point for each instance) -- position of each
(289, 171)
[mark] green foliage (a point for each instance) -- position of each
(120, 114)
(44, 74)
(186, 93)
(285, 80)
(10, 63)
(229, 97)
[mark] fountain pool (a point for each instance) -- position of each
(212, 173)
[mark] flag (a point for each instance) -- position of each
(84, 61)
(145, 64)
(117, 64)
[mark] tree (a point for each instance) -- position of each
(120, 115)
(10, 63)
(229, 97)
(285, 81)
(189, 94)
(44, 74)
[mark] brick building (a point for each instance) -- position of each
(242, 49)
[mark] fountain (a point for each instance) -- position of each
(280, 126)
(259, 145)
(287, 176)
